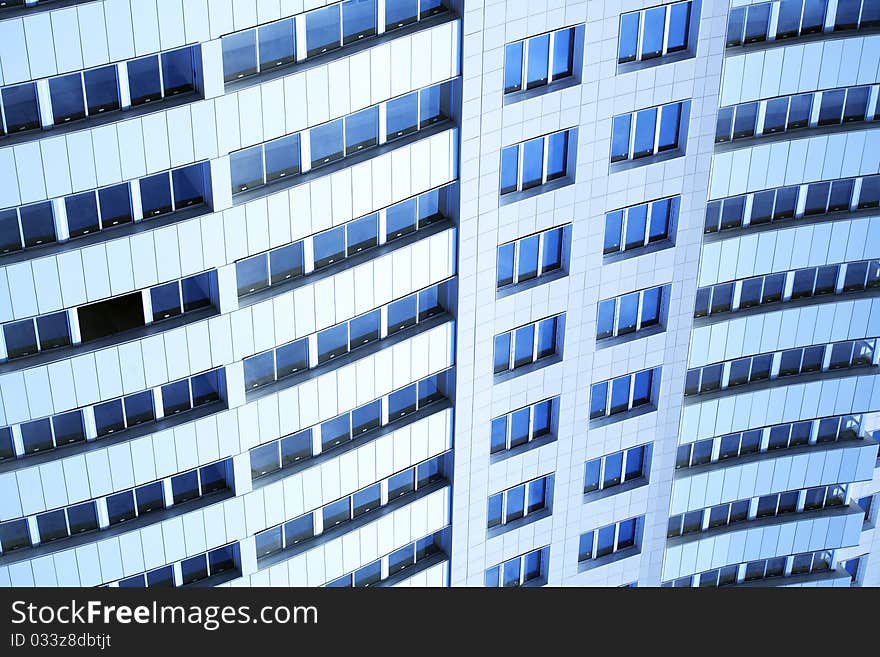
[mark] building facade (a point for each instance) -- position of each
(439, 293)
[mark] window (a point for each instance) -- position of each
(610, 539)
(529, 344)
(530, 257)
(190, 294)
(856, 14)
(258, 165)
(94, 211)
(630, 313)
(653, 33)
(647, 132)
(539, 60)
(263, 49)
(171, 191)
(522, 426)
(273, 268)
(162, 76)
(623, 394)
(536, 162)
(748, 24)
(639, 225)
(800, 17)
(21, 110)
(520, 570)
(615, 469)
(29, 336)
(520, 501)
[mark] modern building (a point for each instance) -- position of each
(439, 292)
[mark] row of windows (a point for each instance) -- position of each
(791, 362)
(630, 313)
(786, 113)
(110, 417)
(82, 214)
(798, 564)
(291, 261)
(623, 393)
(281, 43)
(654, 32)
(189, 571)
(531, 257)
(797, 18)
(396, 562)
(520, 501)
(799, 201)
(646, 132)
(787, 286)
(319, 348)
(111, 317)
(114, 509)
(325, 518)
(340, 430)
(777, 436)
(615, 469)
(539, 60)
(315, 147)
(612, 538)
(530, 567)
(766, 506)
(523, 425)
(536, 162)
(529, 344)
(637, 226)
(97, 91)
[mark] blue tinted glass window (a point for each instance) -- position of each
(286, 263)
(53, 330)
(502, 352)
(620, 130)
(626, 534)
(519, 427)
(120, 507)
(402, 115)
(185, 487)
(435, 104)
(402, 313)
(52, 526)
(650, 307)
(143, 80)
(591, 475)
(744, 121)
(155, 195)
(364, 329)
(332, 342)
(636, 220)
(757, 22)
(37, 224)
(551, 253)
(194, 569)
(513, 63)
(585, 547)
(524, 346)
(335, 432)
(175, 397)
(336, 513)
(735, 22)
(495, 507)
(329, 246)
(82, 518)
(509, 169)
(669, 125)
(629, 305)
(246, 169)
(538, 61)
(362, 234)
(400, 12)
(178, 75)
(299, 529)
(367, 499)
(598, 399)
(528, 258)
(189, 186)
(82, 214)
(165, 300)
(620, 394)
(642, 387)
(789, 21)
(282, 157)
(358, 19)
(613, 469)
(323, 30)
(613, 229)
(431, 7)
(563, 51)
(505, 264)
(239, 55)
(109, 417)
(856, 104)
(102, 90)
(775, 115)
(361, 130)
(629, 37)
(20, 107)
(10, 237)
(68, 103)
(292, 358)
(679, 21)
(557, 154)
(547, 337)
(659, 228)
(276, 44)
(366, 417)
(196, 291)
(205, 388)
(814, 16)
(537, 491)
(652, 39)
(516, 500)
(115, 205)
(605, 319)
(326, 143)
(799, 111)
(251, 275)
(511, 573)
(644, 137)
(533, 163)
(36, 436)
(400, 219)
(605, 541)
(498, 439)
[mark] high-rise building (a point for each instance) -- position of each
(439, 292)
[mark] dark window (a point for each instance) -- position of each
(156, 195)
(68, 428)
(276, 44)
(68, 103)
(178, 75)
(189, 186)
(286, 263)
(37, 224)
(102, 90)
(111, 317)
(400, 12)
(20, 107)
(143, 80)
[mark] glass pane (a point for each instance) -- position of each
(528, 258)
(644, 137)
(400, 219)
(756, 23)
(605, 319)
(329, 246)
(505, 264)
(557, 154)
(563, 52)
(402, 314)
(538, 61)
(831, 109)
(613, 229)
(669, 126)
(502, 352)
(102, 90)
(400, 12)
(246, 168)
(642, 387)
(115, 205)
(286, 263)
(402, 115)
(613, 470)
(629, 37)
(189, 186)
(156, 195)
(165, 301)
(37, 224)
(332, 342)
(20, 107)
(239, 55)
(251, 275)
(435, 104)
(533, 163)
(178, 75)
(735, 24)
(68, 428)
(636, 221)
(143, 80)
(744, 123)
(652, 39)
(361, 130)
(259, 370)
(524, 346)
(516, 499)
(82, 214)
(358, 19)
(498, 435)
(68, 103)
(619, 395)
(175, 397)
(509, 169)
(323, 30)
(799, 111)
(620, 137)
(856, 104)
(679, 23)
(109, 417)
(660, 212)
(326, 143)
(282, 157)
(276, 44)
(598, 399)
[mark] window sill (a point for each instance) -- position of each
(91, 122)
(75, 449)
(626, 165)
(349, 445)
(792, 135)
(535, 516)
(553, 185)
(126, 230)
(653, 247)
(626, 486)
(620, 555)
(527, 94)
(629, 67)
(607, 343)
(347, 358)
(638, 411)
(537, 443)
(515, 288)
(70, 351)
(100, 535)
(778, 382)
(501, 377)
